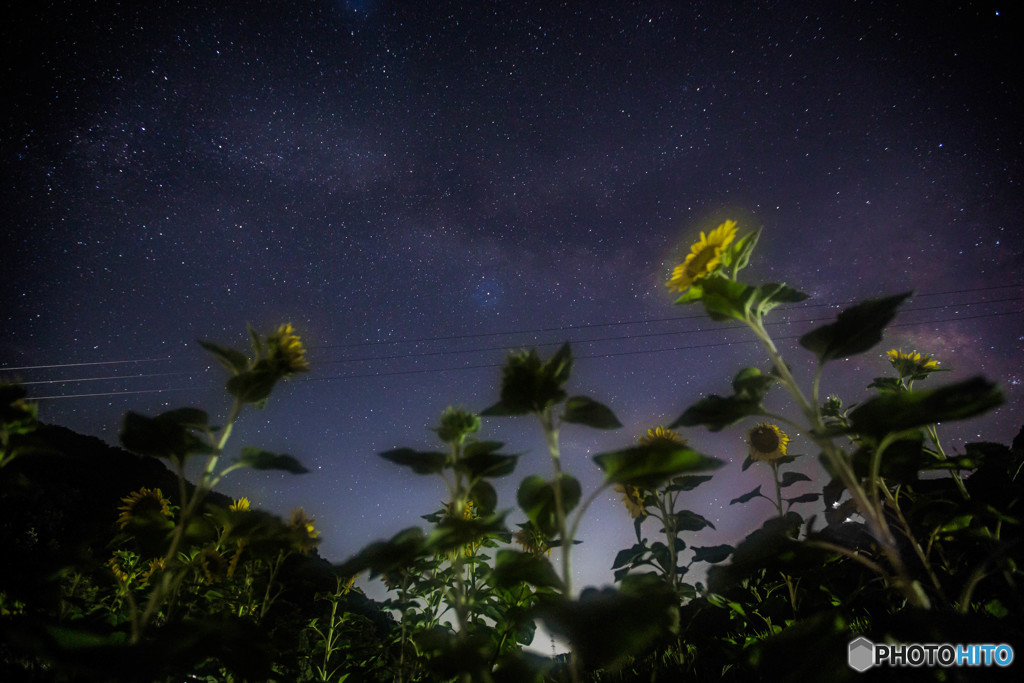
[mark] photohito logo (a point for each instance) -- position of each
(863, 654)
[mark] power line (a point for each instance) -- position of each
(684, 347)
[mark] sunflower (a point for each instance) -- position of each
(347, 585)
(912, 365)
(143, 504)
(633, 499)
(302, 526)
(215, 567)
(767, 442)
(705, 257)
(286, 349)
(240, 505)
(155, 565)
(533, 541)
(661, 435)
(468, 512)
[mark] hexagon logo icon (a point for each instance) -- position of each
(861, 654)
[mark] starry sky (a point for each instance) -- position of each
(419, 187)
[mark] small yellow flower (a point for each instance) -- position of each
(912, 365)
(767, 442)
(304, 530)
(705, 257)
(633, 498)
(240, 505)
(286, 348)
(659, 434)
(141, 504)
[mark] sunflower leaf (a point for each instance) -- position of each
(724, 298)
(748, 496)
(649, 465)
(772, 294)
(855, 330)
(895, 412)
(255, 385)
(168, 435)
(536, 497)
(805, 498)
(718, 412)
(741, 250)
(234, 361)
(421, 462)
(512, 568)
(586, 411)
(712, 553)
(691, 521)
(259, 459)
(790, 478)
(688, 482)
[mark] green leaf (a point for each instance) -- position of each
(772, 294)
(536, 497)
(586, 411)
(724, 298)
(691, 521)
(688, 482)
(900, 462)
(168, 435)
(712, 553)
(648, 465)
(235, 361)
(747, 497)
(259, 459)
(790, 478)
(886, 384)
(253, 386)
(908, 409)
(512, 568)
(453, 533)
(421, 462)
(750, 384)
(529, 385)
(716, 413)
(855, 330)
(741, 250)
(484, 496)
(400, 552)
(628, 556)
(805, 498)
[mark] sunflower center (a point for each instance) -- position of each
(764, 440)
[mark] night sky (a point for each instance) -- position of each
(418, 187)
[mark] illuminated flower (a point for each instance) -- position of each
(215, 567)
(912, 365)
(304, 530)
(767, 442)
(119, 564)
(705, 257)
(661, 435)
(533, 541)
(155, 566)
(286, 348)
(240, 505)
(633, 498)
(143, 504)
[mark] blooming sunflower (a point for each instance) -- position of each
(533, 541)
(304, 530)
(704, 258)
(240, 505)
(767, 442)
(659, 435)
(286, 349)
(633, 499)
(155, 565)
(912, 365)
(143, 504)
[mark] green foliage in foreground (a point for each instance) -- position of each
(907, 543)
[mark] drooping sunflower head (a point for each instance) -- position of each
(240, 505)
(633, 499)
(306, 534)
(533, 540)
(912, 365)
(155, 566)
(214, 565)
(457, 424)
(468, 511)
(705, 257)
(662, 435)
(767, 442)
(143, 505)
(285, 349)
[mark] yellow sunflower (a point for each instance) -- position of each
(912, 365)
(347, 586)
(155, 565)
(240, 505)
(286, 348)
(767, 442)
(705, 257)
(633, 499)
(533, 542)
(659, 434)
(306, 534)
(143, 504)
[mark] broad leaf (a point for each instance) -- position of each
(747, 497)
(790, 478)
(771, 295)
(648, 465)
(259, 459)
(512, 568)
(536, 497)
(855, 330)
(421, 462)
(168, 435)
(688, 482)
(717, 412)
(586, 411)
(713, 553)
(235, 361)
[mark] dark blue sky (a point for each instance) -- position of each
(402, 181)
